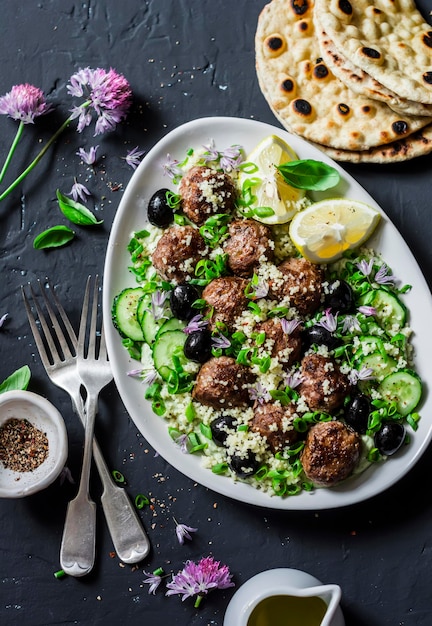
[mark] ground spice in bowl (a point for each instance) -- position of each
(23, 447)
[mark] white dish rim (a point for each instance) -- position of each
(387, 240)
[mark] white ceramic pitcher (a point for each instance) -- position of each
(283, 582)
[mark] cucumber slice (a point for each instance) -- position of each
(369, 344)
(380, 365)
(150, 326)
(144, 303)
(163, 349)
(390, 312)
(172, 324)
(124, 313)
(405, 388)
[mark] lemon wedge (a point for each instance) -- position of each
(270, 189)
(326, 229)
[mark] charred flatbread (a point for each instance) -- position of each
(388, 39)
(306, 96)
(361, 82)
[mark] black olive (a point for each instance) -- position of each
(320, 336)
(198, 346)
(340, 299)
(181, 299)
(220, 428)
(158, 211)
(242, 465)
(357, 413)
(389, 438)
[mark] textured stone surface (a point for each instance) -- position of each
(184, 59)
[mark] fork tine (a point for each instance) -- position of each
(37, 337)
(63, 315)
(83, 321)
(102, 346)
(59, 332)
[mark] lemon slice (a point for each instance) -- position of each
(323, 231)
(271, 190)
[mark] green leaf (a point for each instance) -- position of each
(53, 237)
(309, 174)
(18, 380)
(76, 212)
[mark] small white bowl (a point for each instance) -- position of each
(282, 582)
(44, 416)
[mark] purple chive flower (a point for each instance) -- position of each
(221, 342)
(328, 321)
(133, 157)
(293, 379)
(171, 167)
(197, 579)
(3, 318)
(289, 326)
(108, 94)
(259, 393)
(183, 532)
(79, 191)
(23, 103)
(365, 266)
(154, 580)
(350, 324)
(383, 276)
(261, 288)
(231, 158)
(88, 157)
(367, 310)
(182, 442)
(147, 376)
(196, 323)
(366, 373)
(158, 300)
(211, 153)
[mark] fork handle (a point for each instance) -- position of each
(127, 533)
(77, 551)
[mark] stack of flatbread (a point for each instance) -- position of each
(352, 76)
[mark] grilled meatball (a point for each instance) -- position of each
(248, 242)
(331, 452)
(286, 346)
(225, 296)
(205, 192)
(177, 252)
(301, 282)
(323, 385)
(275, 423)
(221, 382)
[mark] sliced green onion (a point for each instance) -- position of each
(118, 477)
(190, 413)
(373, 455)
(141, 501)
(159, 571)
(206, 431)
(261, 473)
(60, 573)
(219, 468)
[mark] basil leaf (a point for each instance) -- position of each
(53, 237)
(18, 380)
(76, 212)
(309, 174)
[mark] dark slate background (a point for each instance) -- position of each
(184, 59)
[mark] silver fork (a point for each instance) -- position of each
(129, 538)
(77, 551)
